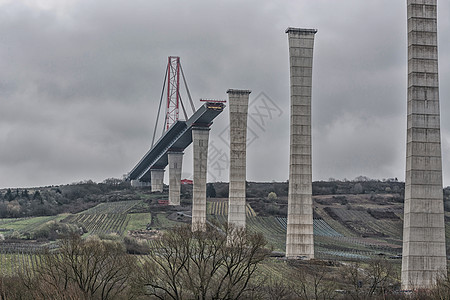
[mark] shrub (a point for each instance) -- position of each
(272, 196)
(53, 230)
(134, 246)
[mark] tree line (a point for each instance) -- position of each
(214, 264)
(46, 201)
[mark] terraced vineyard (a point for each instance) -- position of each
(276, 270)
(341, 232)
(342, 255)
(221, 208)
(101, 223)
(18, 257)
(119, 207)
(331, 244)
(364, 224)
(321, 228)
(271, 229)
(105, 218)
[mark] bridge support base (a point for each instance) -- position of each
(238, 101)
(157, 176)
(200, 137)
(299, 235)
(175, 163)
(424, 259)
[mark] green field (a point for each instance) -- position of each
(27, 225)
(138, 221)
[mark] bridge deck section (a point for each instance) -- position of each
(177, 138)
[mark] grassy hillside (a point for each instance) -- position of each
(365, 222)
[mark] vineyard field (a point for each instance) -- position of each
(101, 223)
(361, 222)
(120, 207)
(329, 243)
(271, 229)
(276, 270)
(105, 218)
(321, 228)
(16, 257)
(221, 208)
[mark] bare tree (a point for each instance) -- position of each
(276, 289)
(86, 269)
(162, 273)
(376, 279)
(352, 275)
(312, 281)
(203, 265)
(442, 288)
(380, 275)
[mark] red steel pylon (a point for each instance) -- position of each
(173, 87)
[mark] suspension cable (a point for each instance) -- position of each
(187, 89)
(184, 110)
(159, 108)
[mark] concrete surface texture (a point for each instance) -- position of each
(424, 251)
(238, 106)
(200, 137)
(300, 238)
(157, 179)
(137, 183)
(175, 163)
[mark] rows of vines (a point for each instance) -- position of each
(220, 208)
(105, 218)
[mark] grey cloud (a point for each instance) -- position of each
(79, 90)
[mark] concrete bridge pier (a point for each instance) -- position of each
(135, 183)
(300, 236)
(157, 179)
(175, 159)
(139, 184)
(200, 138)
(238, 101)
(424, 256)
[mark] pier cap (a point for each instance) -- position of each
(233, 91)
(301, 30)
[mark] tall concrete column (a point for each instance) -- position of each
(175, 163)
(424, 255)
(200, 137)
(238, 101)
(157, 180)
(300, 238)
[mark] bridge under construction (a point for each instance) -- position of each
(177, 138)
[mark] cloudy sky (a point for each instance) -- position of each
(80, 83)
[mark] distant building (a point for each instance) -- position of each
(186, 181)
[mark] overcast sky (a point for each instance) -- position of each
(80, 83)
